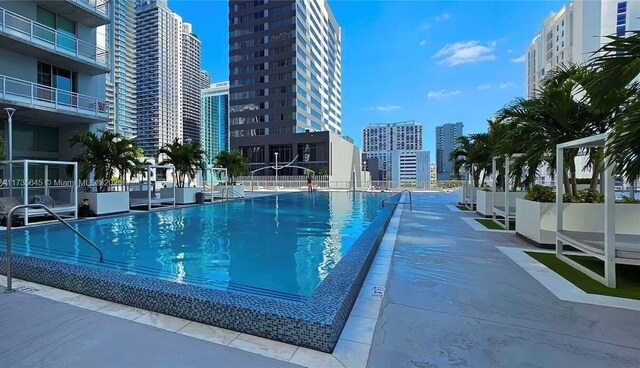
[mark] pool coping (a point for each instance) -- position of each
(315, 323)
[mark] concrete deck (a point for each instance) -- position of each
(454, 300)
(38, 332)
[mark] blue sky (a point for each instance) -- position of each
(430, 61)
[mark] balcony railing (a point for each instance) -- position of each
(18, 90)
(34, 32)
(98, 6)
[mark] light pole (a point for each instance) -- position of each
(276, 170)
(10, 111)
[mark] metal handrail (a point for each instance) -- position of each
(227, 189)
(41, 206)
(410, 203)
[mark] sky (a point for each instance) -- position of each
(431, 61)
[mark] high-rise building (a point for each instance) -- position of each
(214, 129)
(446, 140)
(191, 84)
(159, 75)
(382, 140)
(54, 61)
(121, 83)
(205, 79)
(285, 84)
(574, 33)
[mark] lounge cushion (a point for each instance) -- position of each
(7, 203)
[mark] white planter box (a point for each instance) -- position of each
(537, 221)
(238, 191)
(484, 204)
(183, 195)
(107, 202)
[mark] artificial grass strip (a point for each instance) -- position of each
(628, 276)
(489, 224)
(463, 208)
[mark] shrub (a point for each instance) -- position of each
(628, 200)
(590, 196)
(540, 193)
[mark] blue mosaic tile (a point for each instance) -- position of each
(314, 323)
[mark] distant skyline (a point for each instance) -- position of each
(431, 61)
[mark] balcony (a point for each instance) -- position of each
(39, 103)
(91, 13)
(30, 38)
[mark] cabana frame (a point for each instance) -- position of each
(469, 191)
(70, 211)
(497, 211)
(150, 201)
(610, 248)
(212, 192)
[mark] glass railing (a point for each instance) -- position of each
(64, 43)
(18, 90)
(98, 6)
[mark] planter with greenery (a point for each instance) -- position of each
(106, 160)
(485, 202)
(236, 165)
(187, 159)
(536, 214)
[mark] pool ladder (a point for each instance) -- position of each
(410, 203)
(41, 206)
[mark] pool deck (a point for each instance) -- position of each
(453, 299)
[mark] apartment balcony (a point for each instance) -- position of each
(91, 13)
(39, 103)
(30, 38)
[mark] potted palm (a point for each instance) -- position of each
(236, 165)
(103, 157)
(187, 159)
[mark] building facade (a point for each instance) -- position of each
(382, 140)
(205, 79)
(121, 83)
(285, 82)
(191, 85)
(53, 66)
(159, 75)
(446, 140)
(214, 129)
(574, 33)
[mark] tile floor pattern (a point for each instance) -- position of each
(352, 349)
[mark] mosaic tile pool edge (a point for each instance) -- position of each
(315, 323)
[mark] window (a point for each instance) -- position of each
(62, 79)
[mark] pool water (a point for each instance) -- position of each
(279, 246)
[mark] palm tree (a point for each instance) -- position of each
(105, 154)
(559, 114)
(472, 151)
(613, 87)
(235, 163)
(187, 159)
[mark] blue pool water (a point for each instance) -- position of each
(280, 246)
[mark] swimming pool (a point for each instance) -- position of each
(286, 267)
(281, 246)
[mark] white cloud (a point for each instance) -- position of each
(423, 42)
(444, 16)
(519, 59)
(467, 52)
(443, 93)
(501, 85)
(424, 26)
(384, 108)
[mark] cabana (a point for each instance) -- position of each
(211, 193)
(41, 182)
(505, 209)
(147, 196)
(610, 246)
(469, 190)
